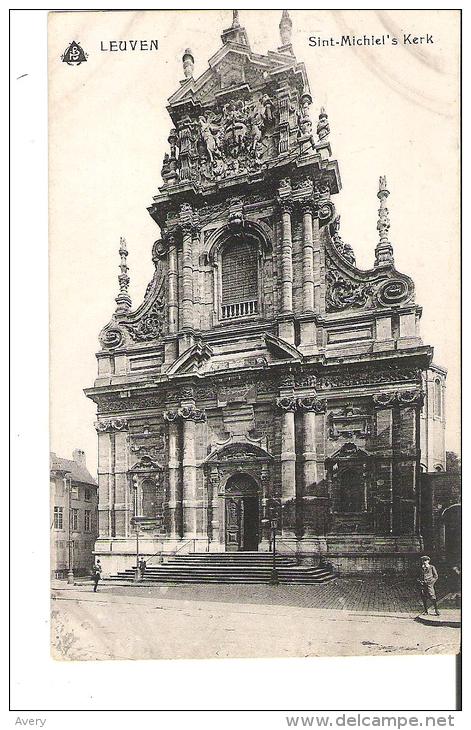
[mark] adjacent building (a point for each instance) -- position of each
(73, 515)
(265, 382)
(433, 420)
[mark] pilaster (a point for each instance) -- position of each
(183, 501)
(175, 504)
(287, 404)
(113, 496)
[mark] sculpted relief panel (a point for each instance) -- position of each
(221, 143)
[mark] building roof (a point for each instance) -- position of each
(79, 472)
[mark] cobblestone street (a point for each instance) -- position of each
(346, 617)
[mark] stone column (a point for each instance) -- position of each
(172, 286)
(174, 483)
(395, 470)
(286, 259)
(383, 517)
(317, 266)
(187, 278)
(315, 498)
(309, 445)
(214, 503)
(308, 260)
(418, 510)
(196, 282)
(406, 461)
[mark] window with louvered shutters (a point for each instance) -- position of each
(239, 278)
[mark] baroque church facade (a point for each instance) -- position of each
(265, 382)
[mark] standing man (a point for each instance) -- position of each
(427, 580)
(96, 574)
(142, 567)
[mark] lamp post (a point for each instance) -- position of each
(137, 573)
(274, 573)
(70, 566)
(271, 520)
(135, 522)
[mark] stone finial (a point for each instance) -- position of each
(384, 250)
(286, 25)
(188, 61)
(123, 300)
(323, 128)
(236, 33)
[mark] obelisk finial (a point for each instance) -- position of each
(123, 300)
(188, 63)
(384, 250)
(323, 128)
(236, 33)
(286, 25)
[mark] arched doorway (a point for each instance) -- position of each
(242, 513)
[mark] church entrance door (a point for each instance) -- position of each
(242, 515)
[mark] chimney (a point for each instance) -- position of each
(79, 457)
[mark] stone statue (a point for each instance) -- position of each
(268, 108)
(209, 133)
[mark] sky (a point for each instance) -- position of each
(393, 110)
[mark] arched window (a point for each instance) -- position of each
(438, 399)
(239, 279)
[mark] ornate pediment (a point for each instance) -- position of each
(280, 349)
(230, 67)
(239, 451)
(145, 465)
(192, 360)
(350, 451)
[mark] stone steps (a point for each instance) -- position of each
(227, 568)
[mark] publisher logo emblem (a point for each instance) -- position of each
(74, 54)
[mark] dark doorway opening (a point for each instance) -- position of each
(452, 521)
(242, 514)
(352, 491)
